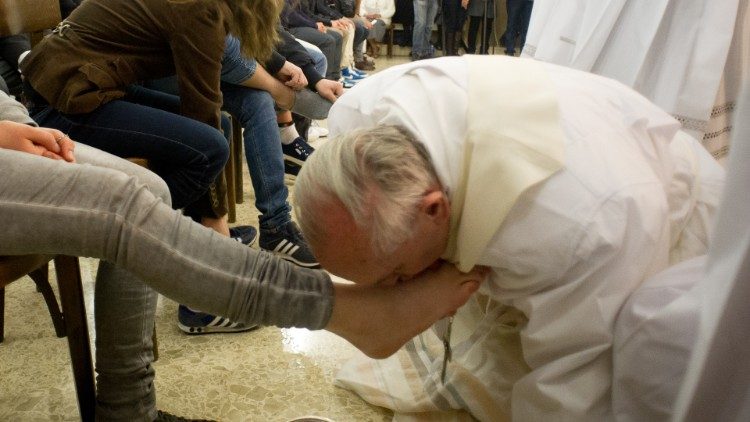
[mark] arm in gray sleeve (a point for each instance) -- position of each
(14, 111)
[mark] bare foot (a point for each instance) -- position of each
(379, 320)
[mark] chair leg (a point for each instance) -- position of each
(389, 46)
(2, 314)
(237, 147)
(74, 311)
(155, 344)
(41, 279)
(229, 176)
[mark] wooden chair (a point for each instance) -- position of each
(71, 322)
(233, 169)
(33, 17)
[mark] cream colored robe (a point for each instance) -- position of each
(687, 56)
(634, 194)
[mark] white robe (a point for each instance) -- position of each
(694, 305)
(567, 256)
(675, 52)
(717, 383)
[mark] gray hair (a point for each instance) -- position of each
(380, 175)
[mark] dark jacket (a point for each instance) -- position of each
(297, 54)
(298, 16)
(321, 12)
(106, 45)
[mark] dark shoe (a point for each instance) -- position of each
(298, 151)
(168, 417)
(192, 322)
(291, 171)
(244, 234)
(287, 242)
(364, 65)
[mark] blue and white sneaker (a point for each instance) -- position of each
(347, 83)
(358, 72)
(349, 73)
(196, 322)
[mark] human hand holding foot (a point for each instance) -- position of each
(380, 319)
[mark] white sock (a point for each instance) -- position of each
(288, 133)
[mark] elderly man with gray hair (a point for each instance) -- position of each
(573, 194)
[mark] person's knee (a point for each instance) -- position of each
(327, 43)
(254, 106)
(156, 185)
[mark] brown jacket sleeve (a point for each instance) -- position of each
(197, 42)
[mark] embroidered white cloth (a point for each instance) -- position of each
(675, 52)
(535, 344)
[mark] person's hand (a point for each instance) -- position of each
(464, 3)
(340, 24)
(50, 143)
(292, 76)
(368, 24)
(380, 319)
(321, 27)
(330, 90)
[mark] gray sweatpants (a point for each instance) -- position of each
(119, 212)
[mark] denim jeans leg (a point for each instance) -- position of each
(186, 153)
(255, 111)
(319, 59)
(425, 12)
(513, 28)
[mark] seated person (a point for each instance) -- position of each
(79, 209)
(265, 156)
(573, 194)
(297, 18)
(11, 49)
(378, 13)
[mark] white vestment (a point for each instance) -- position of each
(687, 56)
(635, 194)
(694, 305)
(717, 382)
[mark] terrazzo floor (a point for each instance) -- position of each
(268, 374)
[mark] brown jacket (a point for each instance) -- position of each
(106, 45)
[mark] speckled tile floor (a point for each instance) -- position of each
(269, 374)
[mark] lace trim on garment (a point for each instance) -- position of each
(712, 135)
(721, 152)
(722, 109)
(691, 124)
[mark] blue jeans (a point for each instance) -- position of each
(519, 14)
(319, 59)
(425, 12)
(330, 43)
(187, 154)
(265, 160)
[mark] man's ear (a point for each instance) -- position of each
(435, 205)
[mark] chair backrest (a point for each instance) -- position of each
(28, 16)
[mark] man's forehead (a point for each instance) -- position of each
(341, 231)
